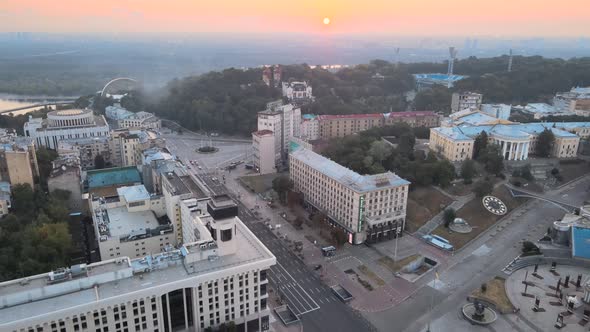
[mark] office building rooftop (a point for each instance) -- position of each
(46, 293)
(345, 176)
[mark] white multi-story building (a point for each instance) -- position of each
(297, 91)
(64, 125)
(565, 102)
(263, 151)
(367, 207)
(465, 100)
(132, 224)
(177, 186)
(221, 278)
(284, 121)
(310, 127)
(126, 119)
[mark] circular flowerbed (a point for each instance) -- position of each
(494, 205)
(207, 149)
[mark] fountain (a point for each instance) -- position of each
(478, 313)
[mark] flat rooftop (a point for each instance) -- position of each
(134, 193)
(345, 176)
(22, 299)
(123, 222)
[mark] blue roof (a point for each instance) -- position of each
(478, 119)
(455, 133)
(113, 176)
(517, 130)
(309, 116)
(438, 77)
(345, 176)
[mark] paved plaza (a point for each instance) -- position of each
(545, 290)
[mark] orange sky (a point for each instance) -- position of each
(407, 17)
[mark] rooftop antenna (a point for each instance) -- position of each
(510, 61)
(452, 56)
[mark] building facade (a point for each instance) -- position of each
(413, 119)
(310, 127)
(465, 100)
(64, 125)
(516, 141)
(264, 156)
(67, 175)
(366, 207)
(18, 160)
(132, 224)
(284, 121)
(347, 124)
(222, 278)
(87, 150)
(297, 91)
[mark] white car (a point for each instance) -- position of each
(200, 167)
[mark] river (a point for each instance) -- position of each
(8, 101)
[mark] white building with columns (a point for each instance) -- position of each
(65, 125)
(516, 141)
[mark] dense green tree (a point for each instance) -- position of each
(483, 188)
(380, 151)
(34, 236)
(444, 173)
(449, 216)
(492, 159)
(468, 170)
(437, 99)
(23, 199)
(480, 144)
(45, 158)
(545, 142)
(281, 185)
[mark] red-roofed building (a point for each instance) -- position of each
(414, 119)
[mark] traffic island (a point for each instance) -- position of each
(207, 149)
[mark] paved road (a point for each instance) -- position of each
(479, 262)
(315, 304)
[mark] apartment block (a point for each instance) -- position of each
(367, 207)
(465, 100)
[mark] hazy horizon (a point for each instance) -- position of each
(523, 18)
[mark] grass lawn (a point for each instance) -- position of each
(423, 204)
(461, 189)
(259, 183)
(478, 217)
(495, 293)
(366, 271)
(526, 184)
(394, 266)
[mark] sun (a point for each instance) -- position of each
(326, 21)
